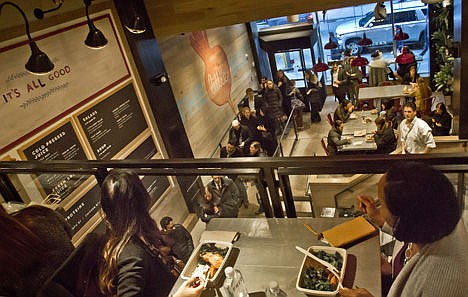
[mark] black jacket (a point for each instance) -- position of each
(386, 141)
(446, 120)
(334, 141)
(258, 103)
(180, 241)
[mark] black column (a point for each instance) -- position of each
(149, 63)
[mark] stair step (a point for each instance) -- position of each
(301, 214)
(301, 198)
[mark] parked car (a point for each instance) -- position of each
(411, 16)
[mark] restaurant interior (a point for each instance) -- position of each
(166, 79)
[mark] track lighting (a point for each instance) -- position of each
(38, 62)
(95, 38)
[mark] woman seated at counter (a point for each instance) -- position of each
(131, 262)
(343, 111)
(420, 204)
(442, 121)
(384, 137)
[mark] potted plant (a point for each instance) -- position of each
(442, 41)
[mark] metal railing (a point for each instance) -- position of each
(270, 172)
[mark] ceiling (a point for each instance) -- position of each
(169, 17)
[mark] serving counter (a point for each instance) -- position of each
(267, 252)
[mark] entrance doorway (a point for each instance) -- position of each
(294, 63)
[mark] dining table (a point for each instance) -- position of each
(359, 128)
(383, 92)
(266, 252)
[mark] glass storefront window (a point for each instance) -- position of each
(349, 24)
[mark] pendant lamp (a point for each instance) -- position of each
(95, 38)
(361, 62)
(364, 41)
(38, 62)
(135, 23)
(330, 45)
(320, 66)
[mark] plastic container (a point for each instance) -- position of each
(192, 263)
(309, 262)
(234, 284)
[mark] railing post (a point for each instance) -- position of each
(8, 190)
(262, 192)
(288, 198)
(273, 190)
(461, 190)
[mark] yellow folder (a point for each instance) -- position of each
(349, 232)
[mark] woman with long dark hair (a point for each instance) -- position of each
(21, 258)
(132, 263)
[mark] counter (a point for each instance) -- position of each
(267, 252)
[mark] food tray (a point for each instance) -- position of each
(192, 262)
(307, 262)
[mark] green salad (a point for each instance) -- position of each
(318, 278)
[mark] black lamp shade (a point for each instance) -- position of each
(364, 41)
(330, 45)
(136, 24)
(95, 38)
(38, 63)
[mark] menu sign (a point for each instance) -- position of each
(83, 209)
(155, 185)
(113, 123)
(60, 144)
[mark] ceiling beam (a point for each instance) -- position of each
(169, 17)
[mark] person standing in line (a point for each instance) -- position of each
(251, 101)
(354, 77)
(339, 82)
(414, 133)
(273, 100)
(225, 196)
(240, 136)
(284, 84)
(298, 104)
(180, 238)
(313, 96)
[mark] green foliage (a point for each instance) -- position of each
(442, 38)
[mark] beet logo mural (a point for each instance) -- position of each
(217, 70)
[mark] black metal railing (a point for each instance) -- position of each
(273, 173)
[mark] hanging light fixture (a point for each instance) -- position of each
(38, 63)
(320, 66)
(361, 62)
(331, 44)
(95, 38)
(364, 41)
(135, 23)
(39, 13)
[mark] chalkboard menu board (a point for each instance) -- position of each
(113, 123)
(83, 209)
(144, 151)
(60, 144)
(155, 185)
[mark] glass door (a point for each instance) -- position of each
(294, 63)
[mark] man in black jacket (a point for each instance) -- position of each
(178, 238)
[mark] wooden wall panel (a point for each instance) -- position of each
(206, 118)
(170, 17)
